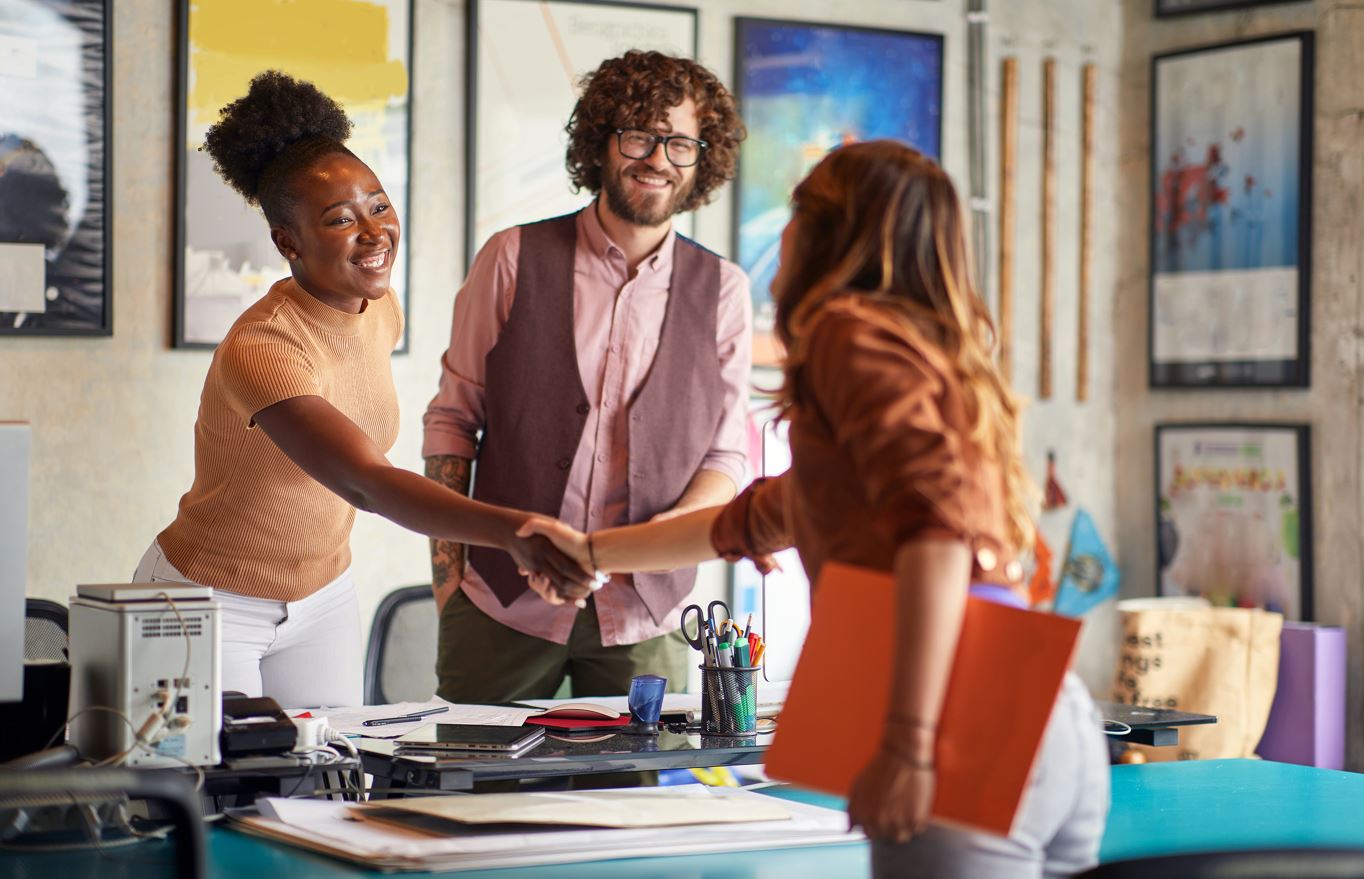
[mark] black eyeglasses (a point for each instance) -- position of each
(681, 150)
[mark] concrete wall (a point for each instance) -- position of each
(1333, 404)
(112, 417)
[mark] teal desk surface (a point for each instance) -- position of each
(1169, 808)
(1161, 808)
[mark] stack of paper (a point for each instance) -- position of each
(335, 829)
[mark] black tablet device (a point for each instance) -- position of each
(471, 737)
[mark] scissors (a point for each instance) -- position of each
(703, 623)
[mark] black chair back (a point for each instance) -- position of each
(1304, 863)
(400, 664)
(45, 629)
(25, 790)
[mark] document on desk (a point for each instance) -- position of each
(331, 828)
(350, 721)
(674, 806)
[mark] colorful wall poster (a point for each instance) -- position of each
(357, 52)
(804, 89)
(1231, 152)
(1234, 513)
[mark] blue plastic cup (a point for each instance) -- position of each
(646, 699)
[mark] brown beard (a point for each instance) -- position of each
(650, 212)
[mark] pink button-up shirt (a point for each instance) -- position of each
(617, 324)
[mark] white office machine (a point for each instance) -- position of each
(133, 653)
(14, 452)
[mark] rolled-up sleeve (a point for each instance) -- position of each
(734, 346)
(883, 400)
(455, 415)
(755, 523)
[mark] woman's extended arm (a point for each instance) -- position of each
(332, 449)
(753, 525)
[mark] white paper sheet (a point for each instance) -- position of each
(350, 721)
(23, 274)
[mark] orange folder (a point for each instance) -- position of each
(1005, 679)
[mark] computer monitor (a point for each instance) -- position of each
(14, 454)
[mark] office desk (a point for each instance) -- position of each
(1150, 726)
(1170, 808)
(1160, 808)
(560, 757)
(626, 753)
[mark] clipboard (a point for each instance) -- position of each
(1006, 676)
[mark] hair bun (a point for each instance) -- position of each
(277, 112)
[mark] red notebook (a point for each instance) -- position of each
(579, 715)
(1005, 679)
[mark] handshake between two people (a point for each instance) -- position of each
(565, 572)
(565, 566)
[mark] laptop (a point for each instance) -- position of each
(508, 741)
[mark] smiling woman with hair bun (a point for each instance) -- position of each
(298, 411)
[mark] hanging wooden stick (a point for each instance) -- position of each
(1008, 99)
(1091, 78)
(1048, 220)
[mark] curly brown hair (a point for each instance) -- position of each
(637, 90)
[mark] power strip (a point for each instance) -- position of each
(313, 732)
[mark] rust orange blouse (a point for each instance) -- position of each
(881, 455)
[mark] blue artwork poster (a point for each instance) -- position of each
(1229, 203)
(805, 89)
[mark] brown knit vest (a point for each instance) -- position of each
(536, 408)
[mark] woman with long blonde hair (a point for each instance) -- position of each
(905, 458)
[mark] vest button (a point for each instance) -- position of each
(583, 408)
(563, 463)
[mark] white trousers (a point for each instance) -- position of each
(1061, 822)
(303, 654)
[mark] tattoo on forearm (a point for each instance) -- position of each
(447, 556)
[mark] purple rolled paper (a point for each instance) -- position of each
(1307, 720)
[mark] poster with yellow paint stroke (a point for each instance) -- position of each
(528, 56)
(356, 51)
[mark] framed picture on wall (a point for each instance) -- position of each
(1234, 514)
(525, 60)
(1168, 8)
(55, 168)
(359, 53)
(804, 89)
(1231, 207)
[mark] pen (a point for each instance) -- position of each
(405, 718)
(748, 627)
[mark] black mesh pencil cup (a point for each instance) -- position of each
(729, 702)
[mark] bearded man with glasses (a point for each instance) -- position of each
(605, 360)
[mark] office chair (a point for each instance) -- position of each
(49, 798)
(44, 629)
(1304, 863)
(400, 664)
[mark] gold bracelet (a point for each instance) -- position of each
(591, 556)
(910, 720)
(906, 757)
